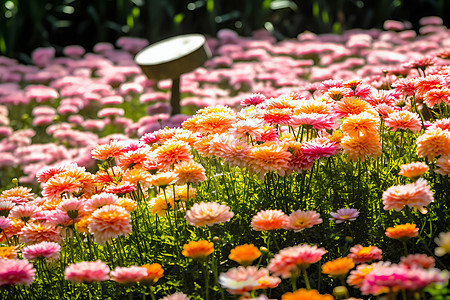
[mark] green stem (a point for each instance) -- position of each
(206, 271)
(294, 283)
(305, 276)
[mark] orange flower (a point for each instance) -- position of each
(203, 145)
(14, 228)
(268, 220)
(363, 123)
(198, 250)
(413, 170)
(338, 267)
(192, 124)
(109, 222)
(172, 152)
(362, 146)
(270, 156)
(8, 252)
(402, 231)
(133, 158)
(244, 254)
(352, 106)
(189, 172)
(154, 273)
(312, 107)
(59, 184)
(403, 120)
(162, 202)
(136, 175)
(217, 122)
(40, 232)
(127, 203)
(433, 142)
(163, 179)
(19, 192)
(357, 276)
(305, 294)
(82, 225)
(105, 151)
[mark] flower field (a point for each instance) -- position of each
(314, 168)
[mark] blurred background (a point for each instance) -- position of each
(28, 24)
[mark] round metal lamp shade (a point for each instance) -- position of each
(173, 57)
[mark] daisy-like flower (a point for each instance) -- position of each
(433, 143)
(24, 212)
(416, 195)
(360, 147)
(413, 170)
(16, 271)
(338, 267)
(277, 115)
(337, 93)
(18, 195)
(417, 261)
(306, 294)
(244, 254)
(403, 119)
(198, 250)
(109, 222)
(130, 274)
(402, 231)
(444, 124)
(154, 273)
(317, 121)
(58, 184)
(360, 254)
(216, 122)
(8, 252)
(253, 99)
(5, 207)
(100, 200)
(189, 172)
(443, 163)
(444, 244)
(172, 152)
(290, 261)
(163, 179)
(134, 158)
(46, 173)
(50, 250)
(352, 106)
(268, 220)
(299, 161)
(73, 207)
(4, 223)
(270, 156)
(299, 220)
(357, 276)
(208, 213)
(344, 214)
(406, 86)
(162, 202)
(137, 175)
(240, 280)
(361, 124)
(105, 151)
(40, 232)
(234, 150)
(320, 147)
(87, 271)
(437, 96)
(176, 296)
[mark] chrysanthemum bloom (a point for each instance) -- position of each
(406, 86)
(14, 228)
(87, 271)
(306, 294)
(109, 222)
(18, 195)
(443, 163)
(127, 203)
(344, 214)
(172, 152)
(299, 161)
(24, 212)
(416, 195)
(240, 280)
(73, 207)
(320, 147)
(244, 254)
(270, 156)
(402, 231)
(176, 296)
(253, 99)
(209, 213)
(317, 121)
(299, 220)
(413, 170)
(198, 250)
(290, 261)
(16, 271)
(437, 96)
(218, 122)
(48, 250)
(137, 175)
(5, 208)
(100, 200)
(352, 106)
(40, 232)
(338, 267)
(236, 151)
(163, 179)
(59, 184)
(360, 147)
(277, 116)
(4, 223)
(360, 254)
(417, 261)
(433, 143)
(361, 124)
(268, 220)
(444, 244)
(8, 252)
(189, 172)
(403, 119)
(162, 202)
(444, 124)
(134, 158)
(154, 273)
(128, 274)
(357, 276)
(337, 93)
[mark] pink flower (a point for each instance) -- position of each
(16, 271)
(4, 222)
(320, 147)
(403, 120)
(241, 280)
(128, 274)
(100, 200)
(344, 214)
(75, 51)
(415, 195)
(43, 56)
(360, 254)
(299, 220)
(253, 99)
(176, 296)
(131, 44)
(209, 213)
(109, 222)
(110, 112)
(87, 271)
(24, 212)
(417, 261)
(268, 220)
(289, 261)
(48, 250)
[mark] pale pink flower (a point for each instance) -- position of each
(268, 220)
(417, 261)
(299, 220)
(415, 195)
(289, 261)
(240, 280)
(403, 120)
(43, 56)
(360, 254)
(100, 200)
(75, 51)
(209, 213)
(110, 112)
(16, 271)
(344, 214)
(87, 271)
(24, 212)
(316, 120)
(4, 222)
(443, 163)
(44, 249)
(176, 296)
(131, 44)
(128, 274)
(232, 149)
